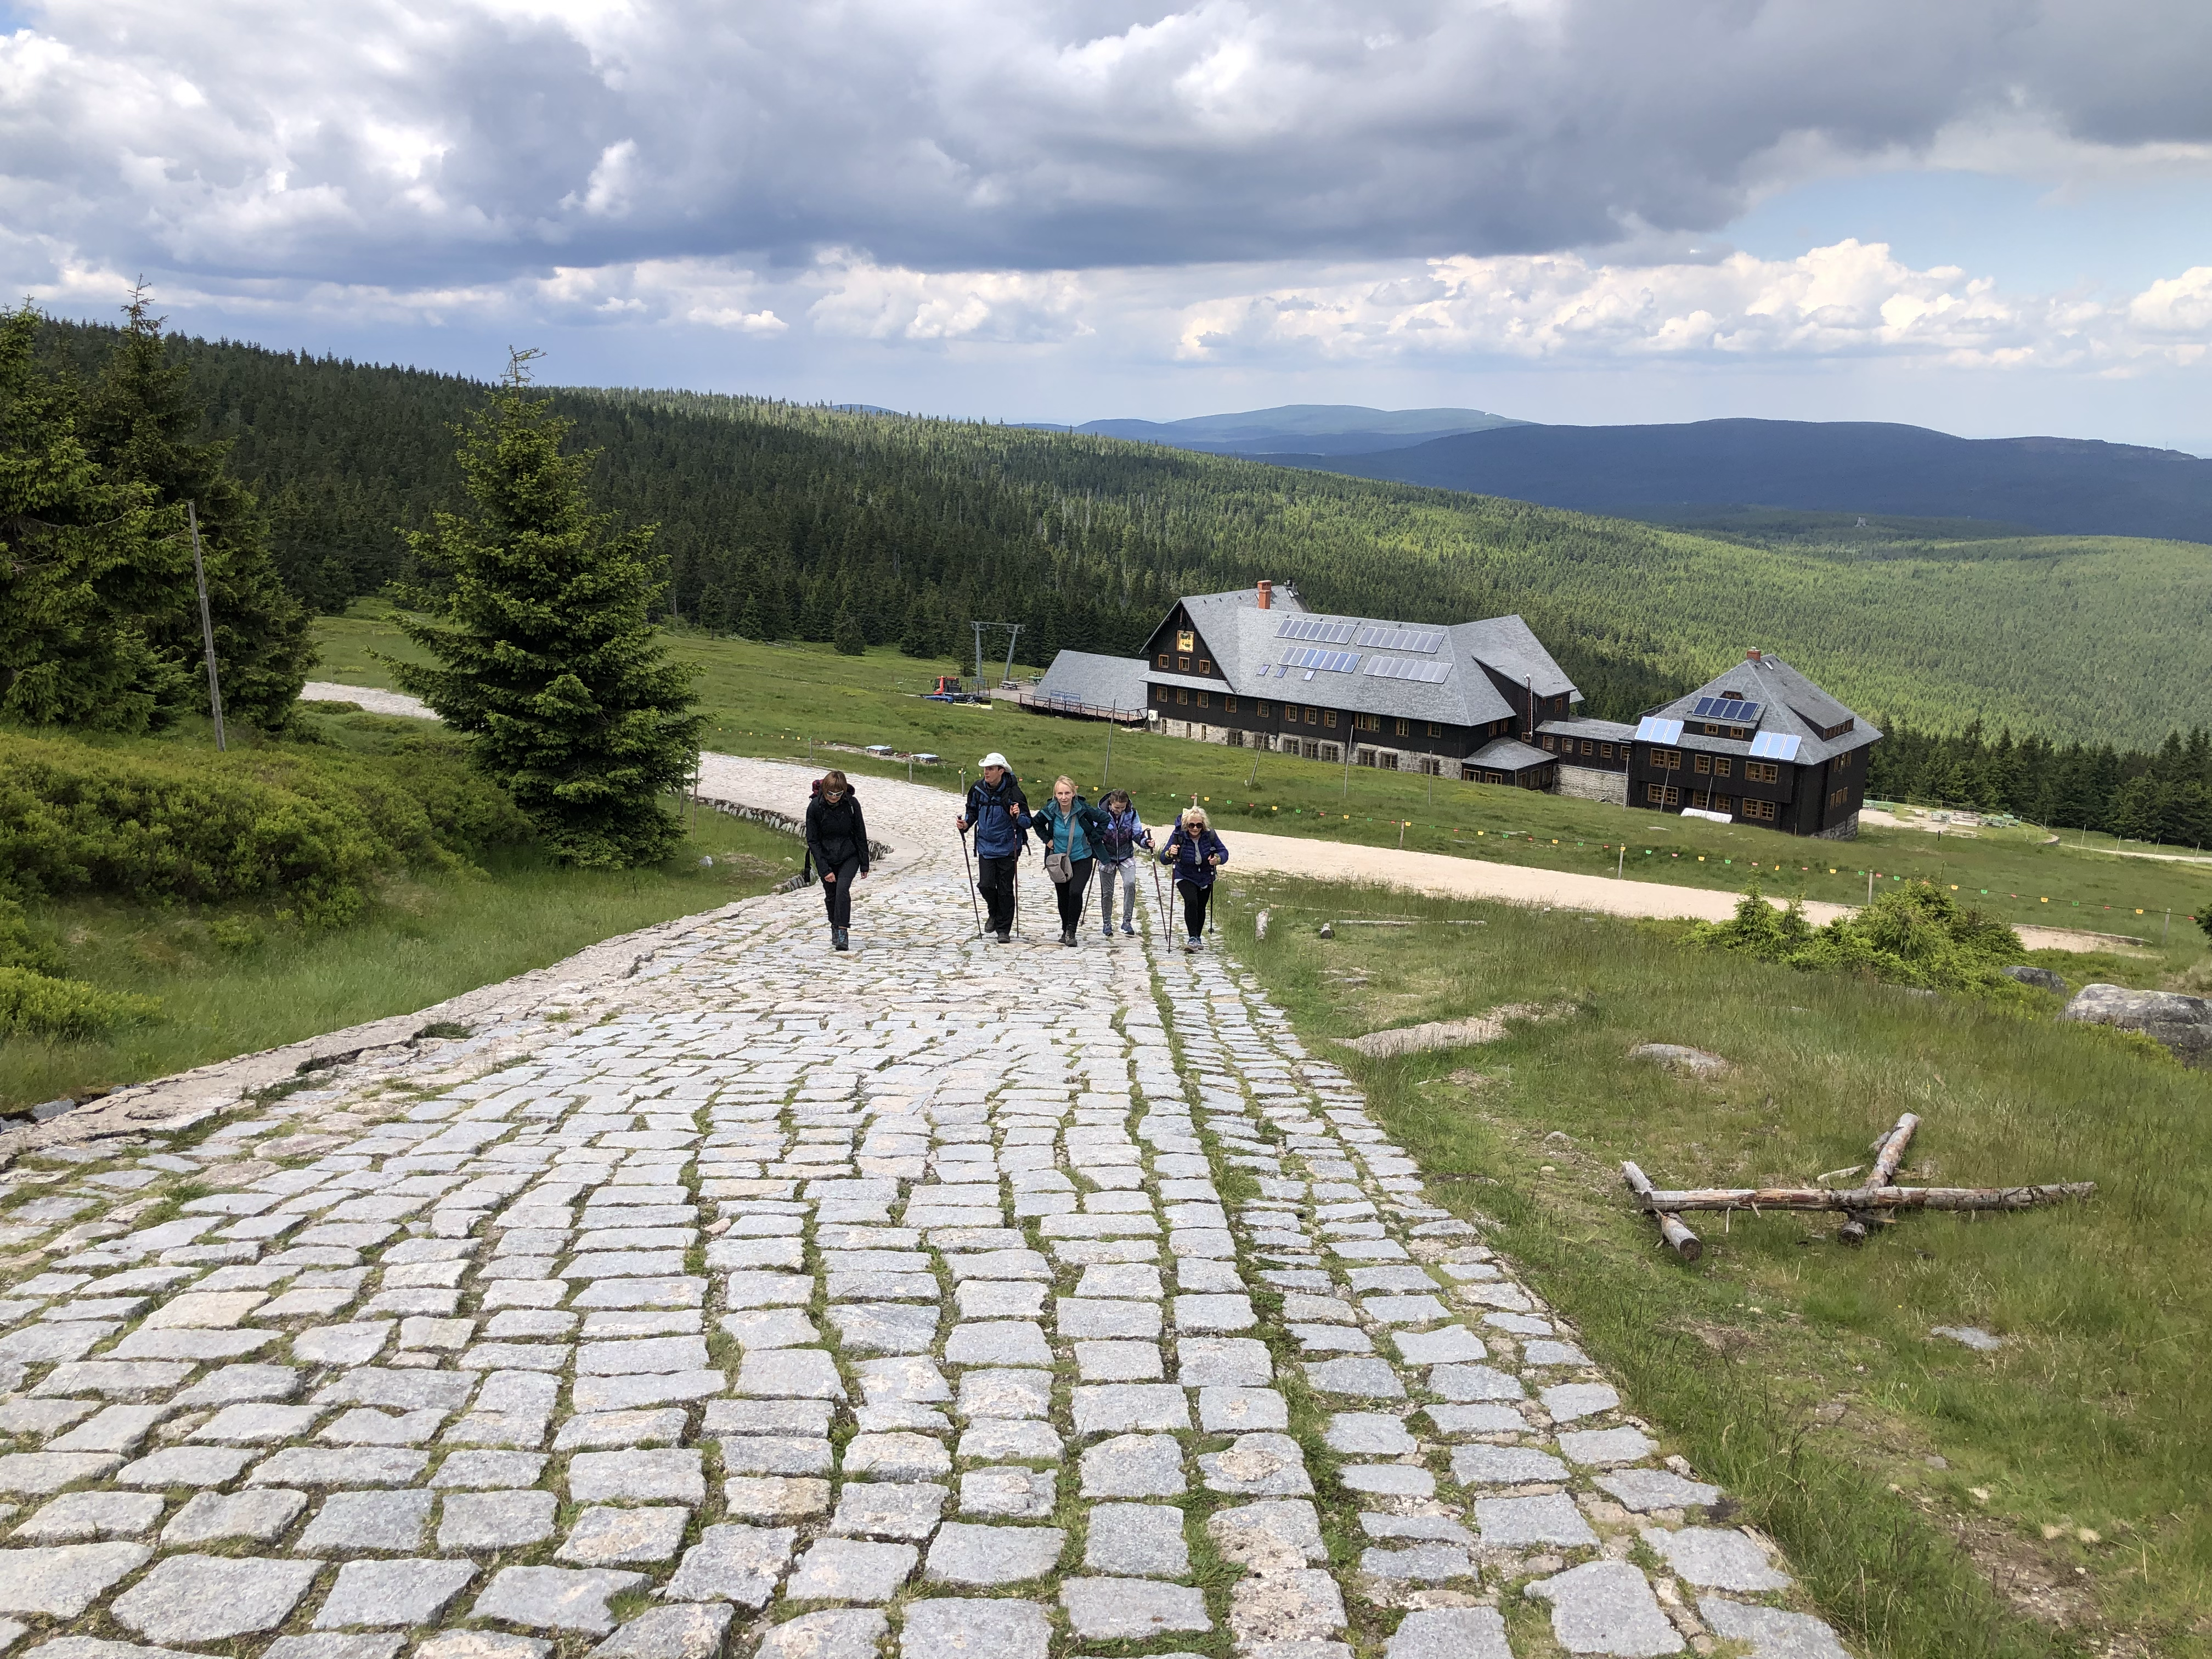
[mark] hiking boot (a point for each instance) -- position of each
(1127, 929)
(1068, 937)
(1003, 937)
(1107, 930)
(836, 938)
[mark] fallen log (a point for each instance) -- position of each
(1864, 1197)
(1677, 1237)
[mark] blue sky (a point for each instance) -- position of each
(1993, 216)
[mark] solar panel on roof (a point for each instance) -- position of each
(1334, 662)
(1733, 710)
(1317, 627)
(1399, 668)
(1652, 729)
(1776, 746)
(1383, 637)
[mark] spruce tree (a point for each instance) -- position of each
(83, 563)
(545, 649)
(141, 423)
(849, 640)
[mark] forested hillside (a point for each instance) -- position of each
(779, 521)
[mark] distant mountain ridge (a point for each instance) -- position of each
(2060, 486)
(1298, 428)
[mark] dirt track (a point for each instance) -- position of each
(1458, 878)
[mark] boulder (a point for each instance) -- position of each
(1698, 1062)
(2042, 978)
(2182, 1024)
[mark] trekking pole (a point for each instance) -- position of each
(972, 906)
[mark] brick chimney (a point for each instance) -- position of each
(1267, 595)
(1752, 654)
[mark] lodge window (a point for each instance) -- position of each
(1604, 751)
(1662, 794)
(1701, 762)
(1229, 704)
(1159, 693)
(1205, 666)
(1163, 659)
(1546, 743)
(1363, 722)
(1201, 700)
(1761, 810)
(1182, 663)
(1761, 772)
(1312, 712)
(1723, 803)
(1587, 746)
(1667, 760)
(1436, 730)
(1839, 797)
(1181, 696)
(1329, 717)
(1261, 709)
(1186, 639)
(1405, 728)
(1723, 766)
(1843, 760)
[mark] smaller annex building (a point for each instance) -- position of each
(1761, 743)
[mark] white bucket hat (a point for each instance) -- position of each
(994, 758)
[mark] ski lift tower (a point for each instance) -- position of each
(1013, 633)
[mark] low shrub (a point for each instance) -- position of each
(1915, 935)
(63, 1010)
(149, 823)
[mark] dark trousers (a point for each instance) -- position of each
(1071, 892)
(837, 895)
(1195, 899)
(994, 880)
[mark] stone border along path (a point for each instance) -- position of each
(921, 1303)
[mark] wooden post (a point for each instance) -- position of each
(207, 623)
(1676, 1237)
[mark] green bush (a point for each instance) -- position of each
(1915, 935)
(59, 1010)
(150, 822)
(20, 947)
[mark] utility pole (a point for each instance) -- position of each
(1013, 633)
(207, 623)
(1113, 716)
(1348, 743)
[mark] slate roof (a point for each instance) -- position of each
(1511, 755)
(1790, 705)
(1606, 731)
(1085, 676)
(1245, 639)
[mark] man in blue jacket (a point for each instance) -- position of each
(998, 812)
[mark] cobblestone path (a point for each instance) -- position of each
(938, 1300)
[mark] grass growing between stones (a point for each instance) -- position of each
(231, 979)
(2044, 1499)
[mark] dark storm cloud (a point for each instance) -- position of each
(456, 143)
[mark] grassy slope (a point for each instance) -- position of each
(426, 937)
(1906, 1475)
(768, 700)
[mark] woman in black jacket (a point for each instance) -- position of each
(837, 837)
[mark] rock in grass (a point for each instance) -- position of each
(2181, 1025)
(2042, 978)
(1697, 1062)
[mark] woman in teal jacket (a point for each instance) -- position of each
(1073, 830)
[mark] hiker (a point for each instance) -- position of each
(1071, 829)
(838, 841)
(1116, 848)
(1196, 853)
(998, 812)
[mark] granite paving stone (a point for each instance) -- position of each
(405, 1593)
(211, 1598)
